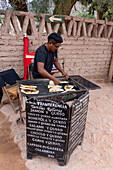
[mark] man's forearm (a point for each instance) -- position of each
(45, 74)
(57, 65)
(61, 70)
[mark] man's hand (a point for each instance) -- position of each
(65, 74)
(56, 81)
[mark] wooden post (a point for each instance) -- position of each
(111, 69)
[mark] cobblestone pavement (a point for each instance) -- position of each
(96, 152)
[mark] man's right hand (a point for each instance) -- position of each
(56, 81)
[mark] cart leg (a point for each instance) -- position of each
(64, 161)
(81, 140)
(67, 156)
(61, 162)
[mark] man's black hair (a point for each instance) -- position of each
(55, 38)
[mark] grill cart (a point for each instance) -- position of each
(55, 126)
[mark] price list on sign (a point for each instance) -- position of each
(47, 128)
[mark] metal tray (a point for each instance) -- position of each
(83, 82)
(42, 86)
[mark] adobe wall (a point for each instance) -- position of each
(86, 49)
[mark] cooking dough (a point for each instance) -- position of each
(27, 86)
(64, 82)
(55, 90)
(51, 82)
(26, 91)
(54, 86)
(70, 90)
(67, 87)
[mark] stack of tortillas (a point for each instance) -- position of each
(54, 88)
(69, 88)
(29, 89)
(57, 88)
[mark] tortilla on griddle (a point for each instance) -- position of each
(27, 86)
(64, 82)
(55, 90)
(51, 82)
(70, 90)
(26, 91)
(68, 87)
(54, 86)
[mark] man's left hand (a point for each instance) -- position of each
(66, 75)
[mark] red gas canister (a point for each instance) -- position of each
(26, 47)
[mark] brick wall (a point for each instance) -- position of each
(88, 55)
(11, 53)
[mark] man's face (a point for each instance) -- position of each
(54, 46)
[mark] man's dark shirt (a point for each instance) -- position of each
(44, 56)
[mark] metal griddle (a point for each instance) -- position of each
(42, 86)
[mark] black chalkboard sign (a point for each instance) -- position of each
(47, 128)
(53, 129)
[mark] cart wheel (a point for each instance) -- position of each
(29, 156)
(61, 163)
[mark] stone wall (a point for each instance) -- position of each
(86, 49)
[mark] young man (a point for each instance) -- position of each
(46, 56)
